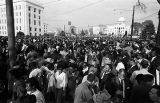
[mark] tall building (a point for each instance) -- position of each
(28, 17)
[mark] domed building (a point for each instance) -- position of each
(119, 29)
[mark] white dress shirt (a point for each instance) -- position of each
(61, 79)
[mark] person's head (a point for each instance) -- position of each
(121, 73)
(106, 68)
(154, 94)
(91, 78)
(144, 64)
(92, 69)
(32, 84)
(132, 62)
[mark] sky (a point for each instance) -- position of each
(84, 13)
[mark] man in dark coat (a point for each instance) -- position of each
(155, 62)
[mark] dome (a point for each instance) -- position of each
(121, 19)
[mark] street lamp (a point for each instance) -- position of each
(138, 5)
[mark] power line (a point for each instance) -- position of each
(148, 16)
(82, 7)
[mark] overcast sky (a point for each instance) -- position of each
(94, 12)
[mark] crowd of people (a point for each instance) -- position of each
(80, 70)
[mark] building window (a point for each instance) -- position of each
(16, 7)
(20, 20)
(19, 13)
(19, 27)
(39, 30)
(34, 22)
(17, 20)
(34, 9)
(39, 17)
(29, 8)
(16, 13)
(0, 27)
(35, 29)
(30, 29)
(35, 34)
(19, 6)
(29, 21)
(34, 15)
(29, 15)
(39, 23)
(39, 11)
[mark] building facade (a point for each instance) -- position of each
(117, 29)
(28, 18)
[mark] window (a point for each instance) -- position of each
(0, 27)
(39, 11)
(35, 34)
(34, 9)
(34, 15)
(29, 21)
(16, 13)
(39, 23)
(19, 27)
(29, 8)
(39, 30)
(35, 29)
(19, 13)
(30, 28)
(17, 20)
(39, 17)
(34, 22)
(29, 15)
(20, 20)
(16, 7)
(19, 6)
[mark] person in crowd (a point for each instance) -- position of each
(144, 65)
(154, 94)
(61, 81)
(32, 86)
(155, 63)
(133, 67)
(123, 86)
(92, 70)
(140, 92)
(83, 93)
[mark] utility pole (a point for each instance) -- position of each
(64, 30)
(11, 33)
(158, 30)
(132, 22)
